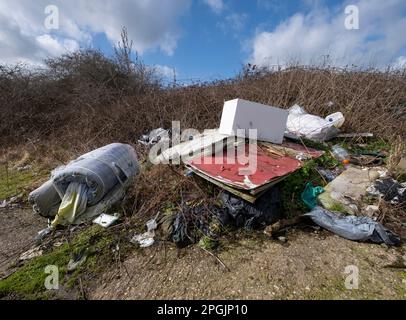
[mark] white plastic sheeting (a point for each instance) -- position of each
(302, 124)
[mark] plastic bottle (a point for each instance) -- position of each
(340, 153)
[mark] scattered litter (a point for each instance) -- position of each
(88, 185)
(340, 153)
(270, 122)
(309, 195)
(43, 233)
(302, 157)
(31, 254)
(180, 235)
(106, 220)
(24, 168)
(348, 188)
(4, 203)
(282, 239)
(329, 175)
(312, 127)
(389, 190)
(353, 227)
(146, 239)
(76, 261)
(12, 202)
(151, 224)
(154, 137)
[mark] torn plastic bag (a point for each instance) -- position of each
(389, 189)
(180, 234)
(309, 195)
(353, 227)
(266, 210)
(73, 204)
(302, 124)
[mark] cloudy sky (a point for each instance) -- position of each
(208, 39)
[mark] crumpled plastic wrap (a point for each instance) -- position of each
(353, 227)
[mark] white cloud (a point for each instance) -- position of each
(165, 72)
(234, 21)
(321, 32)
(216, 5)
(53, 46)
(151, 24)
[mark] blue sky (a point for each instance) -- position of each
(209, 39)
(211, 47)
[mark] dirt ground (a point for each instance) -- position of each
(18, 228)
(310, 265)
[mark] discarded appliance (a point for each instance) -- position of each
(348, 188)
(270, 122)
(87, 186)
(352, 227)
(302, 124)
(273, 164)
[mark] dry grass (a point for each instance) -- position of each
(79, 115)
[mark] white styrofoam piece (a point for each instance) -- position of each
(242, 114)
(105, 220)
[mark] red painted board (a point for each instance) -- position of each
(268, 168)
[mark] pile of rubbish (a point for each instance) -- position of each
(251, 199)
(246, 165)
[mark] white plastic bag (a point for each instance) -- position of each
(302, 124)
